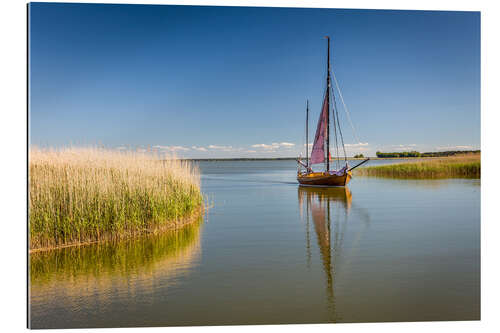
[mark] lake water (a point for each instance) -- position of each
(269, 252)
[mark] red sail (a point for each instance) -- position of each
(318, 150)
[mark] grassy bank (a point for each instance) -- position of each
(462, 166)
(81, 195)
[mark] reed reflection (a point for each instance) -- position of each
(78, 277)
(328, 208)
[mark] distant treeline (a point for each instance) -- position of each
(449, 153)
(428, 154)
(240, 159)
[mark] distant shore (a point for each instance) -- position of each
(295, 158)
(402, 156)
(271, 159)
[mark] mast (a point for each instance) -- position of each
(307, 134)
(328, 85)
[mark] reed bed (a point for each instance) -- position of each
(459, 166)
(82, 195)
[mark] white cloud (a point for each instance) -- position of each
(455, 148)
(171, 148)
(264, 146)
(274, 145)
(405, 146)
(222, 148)
(360, 144)
(219, 147)
(199, 148)
(287, 144)
(399, 147)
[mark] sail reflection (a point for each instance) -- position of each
(328, 208)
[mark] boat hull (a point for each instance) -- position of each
(323, 179)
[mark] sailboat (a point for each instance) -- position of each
(321, 148)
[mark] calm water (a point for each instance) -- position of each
(271, 252)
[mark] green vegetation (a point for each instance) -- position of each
(81, 195)
(459, 166)
(140, 254)
(406, 154)
(398, 154)
(359, 156)
(449, 153)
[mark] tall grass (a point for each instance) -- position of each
(460, 166)
(79, 195)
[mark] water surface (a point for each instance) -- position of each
(269, 252)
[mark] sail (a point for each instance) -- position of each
(318, 150)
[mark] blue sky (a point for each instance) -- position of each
(233, 81)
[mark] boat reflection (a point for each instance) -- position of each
(328, 208)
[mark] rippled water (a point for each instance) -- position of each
(269, 251)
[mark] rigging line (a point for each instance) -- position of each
(341, 139)
(300, 152)
(335, 131)
(306, 134)
(338, 122)
(345, 107)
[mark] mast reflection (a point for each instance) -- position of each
(328, 208)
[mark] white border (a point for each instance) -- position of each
(13, 164)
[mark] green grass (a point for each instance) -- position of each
(465, 166)
(81, 195)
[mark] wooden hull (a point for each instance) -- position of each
(323, 179)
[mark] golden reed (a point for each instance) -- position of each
(459, 166)
(82, 195)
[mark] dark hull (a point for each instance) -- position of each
(323, 179)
